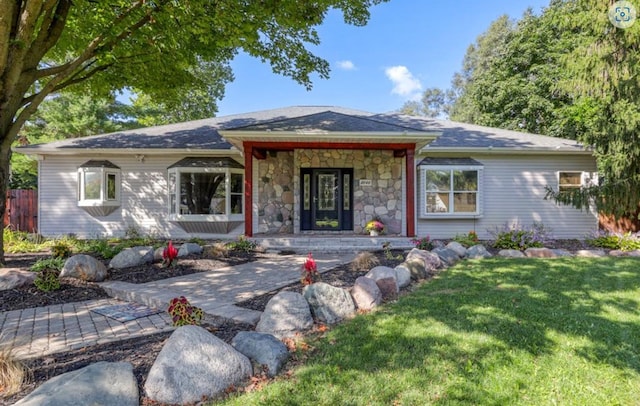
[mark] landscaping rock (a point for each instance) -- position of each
(382, 272)
(478, 251)
(634, 253)
(262, 348)
(134, 256)
(457, 248)
(84, 267)
(101, 383)
(285, 314)
(387, 281)
(562, 252)
(511, 254)
(591, 253)
(189, 248)
(539, 253)
(194, 364)
(157, 254)
(366, 293)
(447, 256)
(328, 303)
(403, 276)
(416, 268)
(431, 261)
(14, 278)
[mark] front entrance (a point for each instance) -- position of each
(327, 199)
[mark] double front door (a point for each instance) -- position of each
(327, 199)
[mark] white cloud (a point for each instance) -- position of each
(404, 83)
(346, 65)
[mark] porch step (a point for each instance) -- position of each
(321, 243)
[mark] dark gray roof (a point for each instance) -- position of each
(207, 162)
(450, 162)
(204, 135)
(99, 164)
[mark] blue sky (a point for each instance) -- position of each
(407, 46)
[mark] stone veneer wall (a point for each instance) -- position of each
(275, 193)
(382, 199)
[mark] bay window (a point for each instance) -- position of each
(99, 187)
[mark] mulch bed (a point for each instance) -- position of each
(141, 352)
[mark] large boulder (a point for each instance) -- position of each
(540, 253)
(458, 248)
(84, 267)
(478, 251)
(416, 268)
(562, 252)
(591, 253)
(366, 293)
(431, 261)
(101, 383)
(511, 254)
(133, 256)
(447, 256)
(189, 248)
(387, 281)
(286, 314)
(403, 276)
(328, 304)
(262, 348)
(194, 364)
(14, 278)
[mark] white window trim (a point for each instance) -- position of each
(585, 178)
(103, 200)
(177, 216)
(450, 215)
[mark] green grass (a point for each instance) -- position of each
(490, 332)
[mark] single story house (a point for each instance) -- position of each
(308, 170)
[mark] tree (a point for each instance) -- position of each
(151, 46)
(434, 103)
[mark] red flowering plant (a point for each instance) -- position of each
(169, 255)
(309, 271)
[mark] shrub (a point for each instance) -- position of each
(364, 261)
(615, 241)
(47, 280)
(519, 237)
(12, 373)
(423, 243)
(309, 271)
(184, 313)
(19, 241)
(60, 250)
(55, 264)
(467, 240)
(242, 244)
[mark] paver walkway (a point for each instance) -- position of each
(36, 332)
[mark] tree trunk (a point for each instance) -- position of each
(5, 156)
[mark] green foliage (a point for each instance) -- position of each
(389, 254)
(434, 103)
(20, 241)
(518, 237)
(613, 241)
(184, 313)
(423, 243)
(47, 280)
(467, 240)
(55, 263)
(60, 249)
(242, 244)
(99, 247)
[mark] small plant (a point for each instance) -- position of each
(242, 244)
(615, 241)
(309, 271)
(518, 237)
(60, 250)
(184, 313)
(423, 243)
(196, 240)
(374, 225)
(12, 372)
(47, 280)
(467, 240)
(387, 252)
(50, 263)
(364, 261)
(217, 250)
(170, 255)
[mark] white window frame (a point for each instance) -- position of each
(451, 169)
(175, 212)
(570, 186)
(103, 200)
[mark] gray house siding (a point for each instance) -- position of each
(513, 191)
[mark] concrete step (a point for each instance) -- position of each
(332, 244)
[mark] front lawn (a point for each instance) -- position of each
(490, 332)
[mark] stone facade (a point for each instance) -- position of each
(278, 186)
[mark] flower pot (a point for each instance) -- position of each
(374, 233)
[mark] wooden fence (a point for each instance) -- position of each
(22, 210)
